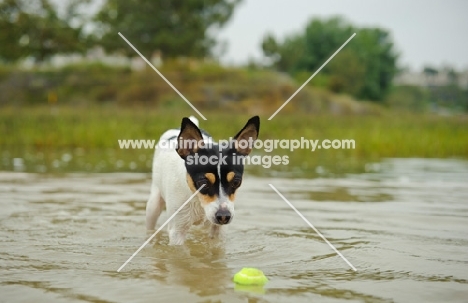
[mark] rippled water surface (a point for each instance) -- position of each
(404, 226)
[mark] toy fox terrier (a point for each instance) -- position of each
(197, 162)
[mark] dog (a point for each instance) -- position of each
(197, 163)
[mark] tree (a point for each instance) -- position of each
(349, 79)
(430, 71)
(34, 28)
(364, 68)
(174, 27)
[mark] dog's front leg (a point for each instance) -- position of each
(217, 231)
(178, 229)
(177, 236)
(214, 231)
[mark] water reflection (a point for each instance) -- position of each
(197, 266)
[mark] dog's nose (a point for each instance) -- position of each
(223, 216)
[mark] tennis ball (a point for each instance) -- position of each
(250, 276)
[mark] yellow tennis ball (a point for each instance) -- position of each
(250, 276)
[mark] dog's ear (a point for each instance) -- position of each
(190, 138)
(247, 135)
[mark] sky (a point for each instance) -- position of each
(425, 32)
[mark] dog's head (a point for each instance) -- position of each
(218, 169)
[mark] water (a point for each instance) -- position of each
(403, 225)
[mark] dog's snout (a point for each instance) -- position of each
(223, 216)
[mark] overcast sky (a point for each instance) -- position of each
(426, 32)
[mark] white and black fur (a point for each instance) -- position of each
(176, 178)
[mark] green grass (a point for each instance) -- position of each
(46, 137)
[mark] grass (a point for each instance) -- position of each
(65, 138)
(207, 85)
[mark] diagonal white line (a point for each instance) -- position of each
(162, 76)
(305, 83)
(159, 229)
(310, 224)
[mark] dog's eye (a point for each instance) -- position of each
(236, 183)
(202, 182)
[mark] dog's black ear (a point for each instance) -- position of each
(190, 138)
(247, 135)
